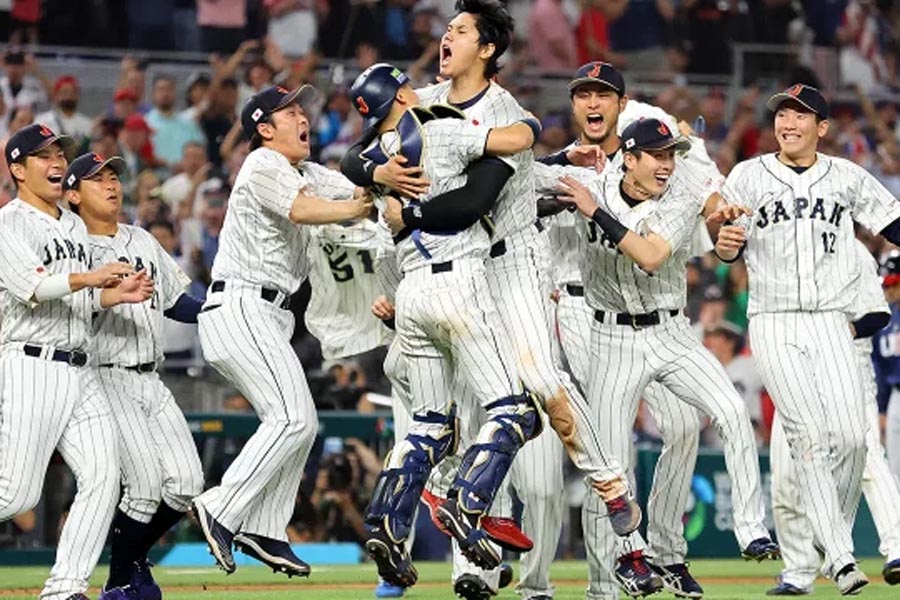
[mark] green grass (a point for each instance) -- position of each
(721, 579)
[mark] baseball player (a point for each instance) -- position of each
(49, 398)
(161, 470)
(885, 355)
(444, 314)
(517, 264)
(798, 244)
(801, 559)
(601, 109)
(635, 282)
(245, 327)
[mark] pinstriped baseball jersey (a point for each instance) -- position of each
(613, 282)
(132, 334)
(344, 285)
(870, 298)
(515, 208)
(449, 145)
(259, 244)
(34, 245)
(800, 243)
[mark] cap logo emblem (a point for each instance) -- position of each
(397, 74)
(256, 114)
(282, 90)
(15, 153)
(45, 131)
(595, 72)
(362, 106)
(663, 129)
(97, 158)
(71, 179)
(629, 143)
(795, 91)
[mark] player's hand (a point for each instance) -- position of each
(576, 193)
(730, 241)
(406, 181)
(108, 275)
(364, 201)
(135, 288)
(383, 308)
(726, 213)
(393, 214)
(587, 155)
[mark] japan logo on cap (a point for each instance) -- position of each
(71, 180)
(15, 153)
(45, 131)
(629, 142)
(595, 72)
(97, 158)
(282, 90)
(361, 104)
(663, 129)
(256, 114)
(795, 91)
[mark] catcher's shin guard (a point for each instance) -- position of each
(512, 421)
(398, 488)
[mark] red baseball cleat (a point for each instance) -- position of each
(506, 534)
(434, 502)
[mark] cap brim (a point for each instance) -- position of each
(680, 144)
(780, 98)
(116, 163)
(583, 80)
(303, 95)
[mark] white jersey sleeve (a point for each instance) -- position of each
(276, 189)
(676, 218)
(172, 281)
(875, 207)
(871, 295)
(21, 270)
(326, 182)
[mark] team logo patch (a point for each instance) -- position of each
(595, 72)
(97, 158)
(397, 74)
(40, 269)
(475, 122)
(795, 91)
(71, 180)
(629, 143)
(663, 129)
(362, 106)
(15, 153)
(282, 90)
(45, 131)
(256, 114)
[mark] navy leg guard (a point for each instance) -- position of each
(398, 489)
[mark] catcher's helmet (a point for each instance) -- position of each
(374, 90)
(890, 269)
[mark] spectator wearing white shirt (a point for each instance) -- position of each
(178, 188)
(23, 83)
(64, 116)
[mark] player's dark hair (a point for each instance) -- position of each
(635, 153)
(495, 26)
(256, 140)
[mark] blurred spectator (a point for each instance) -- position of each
(195, 95)
(25, 17)
(104, 140)
(334, 118)
(135, 144)
(592, 34)
(64, 117)
(713, 107)
(222, 24)
(550, 37)
(125, 103)
(19, 117)
(824, 17)
(338, 500)
(638, 30)
(218, 116)
(170, 131)
(344, 24)
(712, 311)
(200, 236)
(292, 25)
(868, 52)
(133, 77)
(708, 35)
(737, 286)
(23, 82)
(149, 204)
(425, 31)
(395, 19)
(150, 24)
(178, 188)
(367, 54)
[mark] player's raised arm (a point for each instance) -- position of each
(514, 138)
(314, 210)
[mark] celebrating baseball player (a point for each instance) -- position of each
(635, 282)
(245, 324)
(50, 399)
(161, 470)
(798, 549)
(886, 359)
(793, 214)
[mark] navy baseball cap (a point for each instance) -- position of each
(651, 134)
(806, 95)
(271, 99)
(374, 90)
(599, 72)
(33, 138)
(88, 165)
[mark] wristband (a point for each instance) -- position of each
(611, 226)
(53, 287)
(535, 126)
(728, 261)
(412, 216)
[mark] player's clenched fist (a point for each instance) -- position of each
(730, 241)
(383, 308)
(108, 275)
(364, 199)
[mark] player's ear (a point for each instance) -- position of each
(623, 100)
(72, 197)
(487, 51)
(18, 171)
(822, 128)
(265, 130)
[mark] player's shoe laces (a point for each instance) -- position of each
(761, 549)
(388, 590)
(678, 580)
(786, 589)
(505, 533)
(891, 572)
(393, 561)
(217, 537)
(472, 587)
(274, 553)
(142, 582)
(506, 575)
(434, 502)
(473, 542)
(850, 580)
(635, 576)
(624, 514)
(126, 592)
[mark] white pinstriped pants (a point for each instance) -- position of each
(159, 460)
(247, 340)
(795, 536)
(679, 427)
(44, 406)
(808, 364)
(670, 354)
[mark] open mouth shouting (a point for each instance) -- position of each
(446, 54)
(595, 122)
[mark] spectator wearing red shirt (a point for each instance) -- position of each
(25, 17)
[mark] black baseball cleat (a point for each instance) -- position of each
(891, 572)
(473, 542)
(273, 553)
(217, 537)
(635, 576)
(624, 514)
(472, 587)
(393, 561)
(761, 549)
(678, 580)
(506, 575)
(143, 583)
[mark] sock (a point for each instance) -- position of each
(163, 520)
(126, 535)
